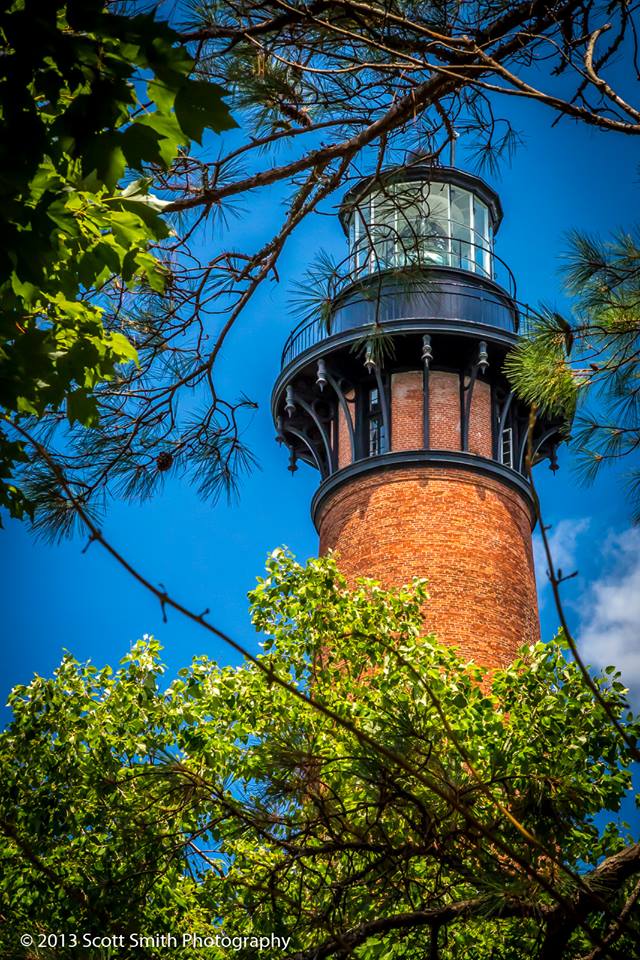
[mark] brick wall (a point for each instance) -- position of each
(444, 410)
(480, 432)
(469, 535)
(407, 415)
(344, 443)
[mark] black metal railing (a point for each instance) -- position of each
(451, 300)
(420, 244)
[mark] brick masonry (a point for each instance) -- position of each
(344, 442)
(480, 433)
(469, 535)
(444, 410)
(407, 400)
(407, 415)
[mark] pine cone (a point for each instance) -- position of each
(164, 461)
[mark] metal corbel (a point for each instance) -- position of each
(290, 406)
(385, 410)
(310, 447)
(335, 384)
(480, 365)
(523, 446)
(321, 428)
(426, 356)
(552, 431)
(502, 421)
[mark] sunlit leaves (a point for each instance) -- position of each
(540, 368)
(589, 363)
(215, 800)
(74, 123)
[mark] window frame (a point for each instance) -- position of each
(367, 250)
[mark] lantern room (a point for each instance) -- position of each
(410, 221)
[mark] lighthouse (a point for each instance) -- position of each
(398, 397)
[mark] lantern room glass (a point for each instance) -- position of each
(421, 224)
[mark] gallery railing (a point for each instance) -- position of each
(390, 298)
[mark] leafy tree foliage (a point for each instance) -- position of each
(409, 810)
(326, 91)
(86, 96)
(587, 366)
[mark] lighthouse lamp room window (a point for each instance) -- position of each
(410, 224)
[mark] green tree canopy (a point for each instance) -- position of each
(409, 809)
(586, 367)
(87, 97)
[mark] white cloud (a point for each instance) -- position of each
(563, 542)
(610, 621)
(607, 607)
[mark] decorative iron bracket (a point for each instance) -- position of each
(319, 424)
(384, 406)
(336, 385)
(310, 447)
(479, 366)
(502, 422)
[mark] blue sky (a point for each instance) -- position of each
(56, 597)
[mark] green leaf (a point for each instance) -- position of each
(105, 158)
(82, 408)
(122, 348)
(154, 138)
(199, 106)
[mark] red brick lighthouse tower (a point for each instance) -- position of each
(400, 401)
